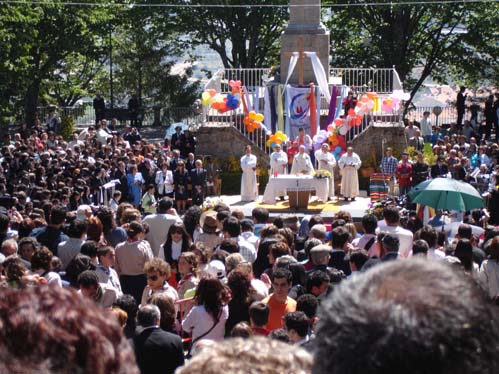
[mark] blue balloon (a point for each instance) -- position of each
(337, 149)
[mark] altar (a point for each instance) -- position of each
(295, 183)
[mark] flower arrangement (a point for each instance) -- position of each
(321, 173)
(210, 202)
(376, 208)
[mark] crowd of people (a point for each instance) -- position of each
(94, 275)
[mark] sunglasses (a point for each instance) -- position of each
(153, 278)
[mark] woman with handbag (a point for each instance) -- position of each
(206, 320)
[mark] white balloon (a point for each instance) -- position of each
(343, 130)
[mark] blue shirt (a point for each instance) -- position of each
(389, 165)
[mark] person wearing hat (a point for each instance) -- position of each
(210, 236)
(176, 140)
(404, 174)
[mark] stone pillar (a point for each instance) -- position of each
(304, 22)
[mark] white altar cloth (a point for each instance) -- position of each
(295, 183)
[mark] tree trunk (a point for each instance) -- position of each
(31, 102)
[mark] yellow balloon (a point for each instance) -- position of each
(259, 117)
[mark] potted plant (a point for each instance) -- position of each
(369, 165)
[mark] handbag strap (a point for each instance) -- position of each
(204, 334)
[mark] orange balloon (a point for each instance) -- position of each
(351, 112)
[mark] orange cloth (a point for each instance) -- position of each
(278, 310)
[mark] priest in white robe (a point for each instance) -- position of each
(278, 165)
(349, 163)
(326, 161)
(302, 163)
(249, 188)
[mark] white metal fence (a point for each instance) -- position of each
(382, 81)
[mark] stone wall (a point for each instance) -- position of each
(377, 138)
(222, 141)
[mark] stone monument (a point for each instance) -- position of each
(304, 33)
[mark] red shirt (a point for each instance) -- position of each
(404, 174)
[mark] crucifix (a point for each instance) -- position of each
(301, 57)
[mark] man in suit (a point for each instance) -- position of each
(156, 350)
(440, 169)
(198, 181)
(176, 141)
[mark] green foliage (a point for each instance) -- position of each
(243, 37)
(421, 40)
(67, 127)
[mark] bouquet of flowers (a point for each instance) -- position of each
(376, 208)
(321, 173)
(210, 202)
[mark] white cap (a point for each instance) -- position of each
(217, 269)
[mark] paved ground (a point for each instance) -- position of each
(356, 208)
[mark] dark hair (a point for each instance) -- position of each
(240, 285)
(57, 215)
(280, 335)
(56, 330)
(391, 214)
(464, 231)
(106, 216)
(41, 259)
(340, 237)
(241, 330)
(88, 278)
(212, 294)
(259, 313)
(232, 227)
(89, 248)
(423, 329)
(77, 228)
(247, 225)
(191, 219)
(279, 249)
(315, 220)
(464, 252)
(429, 235)
(167, 309)
(359, 257)
(420, 247)
(229, 245)
(307, 304)
(260, 215)
(164, 204)
(129, 305)
(76, 266)
(134, 229)
(281, 273)
(369, 223)
(298, 272)
(104, 251)
(316, 278)
(297, 321)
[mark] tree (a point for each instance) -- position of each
(148, 48)
(243, 37)
(46, 36)
(438, 39)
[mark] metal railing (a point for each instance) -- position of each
(447, 117)
(382, 81)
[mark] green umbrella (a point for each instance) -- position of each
(447, 194)
(418, 188)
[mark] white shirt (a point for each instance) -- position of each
(159, 224)
(361, 242)
(176, 251)
(488, 277)
(405, 238)
(198, 321)
(425, 127)
(346, 160)
(68, 249)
